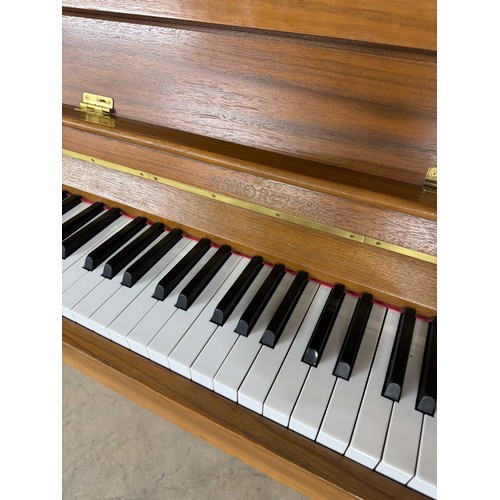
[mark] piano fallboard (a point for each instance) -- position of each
(395, 278)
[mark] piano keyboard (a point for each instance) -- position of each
(338, 368)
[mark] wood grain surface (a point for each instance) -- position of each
(328, 179)
(365, 109)
(402, 23)
(391, 278)
(284, 455)
(364, 217)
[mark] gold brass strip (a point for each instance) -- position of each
(253, 207)
(402, 250)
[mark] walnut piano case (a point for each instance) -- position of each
(301, 132)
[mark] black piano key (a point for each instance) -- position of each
(352, 341)
(179, 272)
(227, 304)
(260, 300)
(80, 219)
(193, 289)
(142, 265)
(324, 325)
(427, 387)
(70, 202)
(132, 250)
(65, 194)
(396, 370)
(86, 233)
(113, 243)
(282, 315)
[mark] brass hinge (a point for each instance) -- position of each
(97, 109)
(431, 180)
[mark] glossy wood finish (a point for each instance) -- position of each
(321, 109)
(284, 455)
(365, 218)
(391, 278)
(327, 179)
(364, 109)
(398, 22)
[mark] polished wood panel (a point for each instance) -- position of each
(402, 23)
(254, 185)
(392, 278)
(367, 110)
(284, 455)
(328, 179)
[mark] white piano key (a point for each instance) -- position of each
(116, 304)
(425, 479)
(128, 319)
(368, 439)
(172, 332)
(286, 388)
(399, 458)
(240, 359)
(338, 423)
(76, 260)
(103, 291)
(222, 341)
(192, 343)
(313, 400)
(149, 326)
(81, 288)
(259, 379)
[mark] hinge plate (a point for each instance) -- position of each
(430, 182)
(97, 109)
(96, 103)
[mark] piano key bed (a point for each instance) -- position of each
(339, 369)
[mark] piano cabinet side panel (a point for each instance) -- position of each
(390, 277)
(284, 455)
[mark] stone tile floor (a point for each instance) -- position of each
(114, 449)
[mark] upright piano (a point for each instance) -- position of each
(249, 228)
